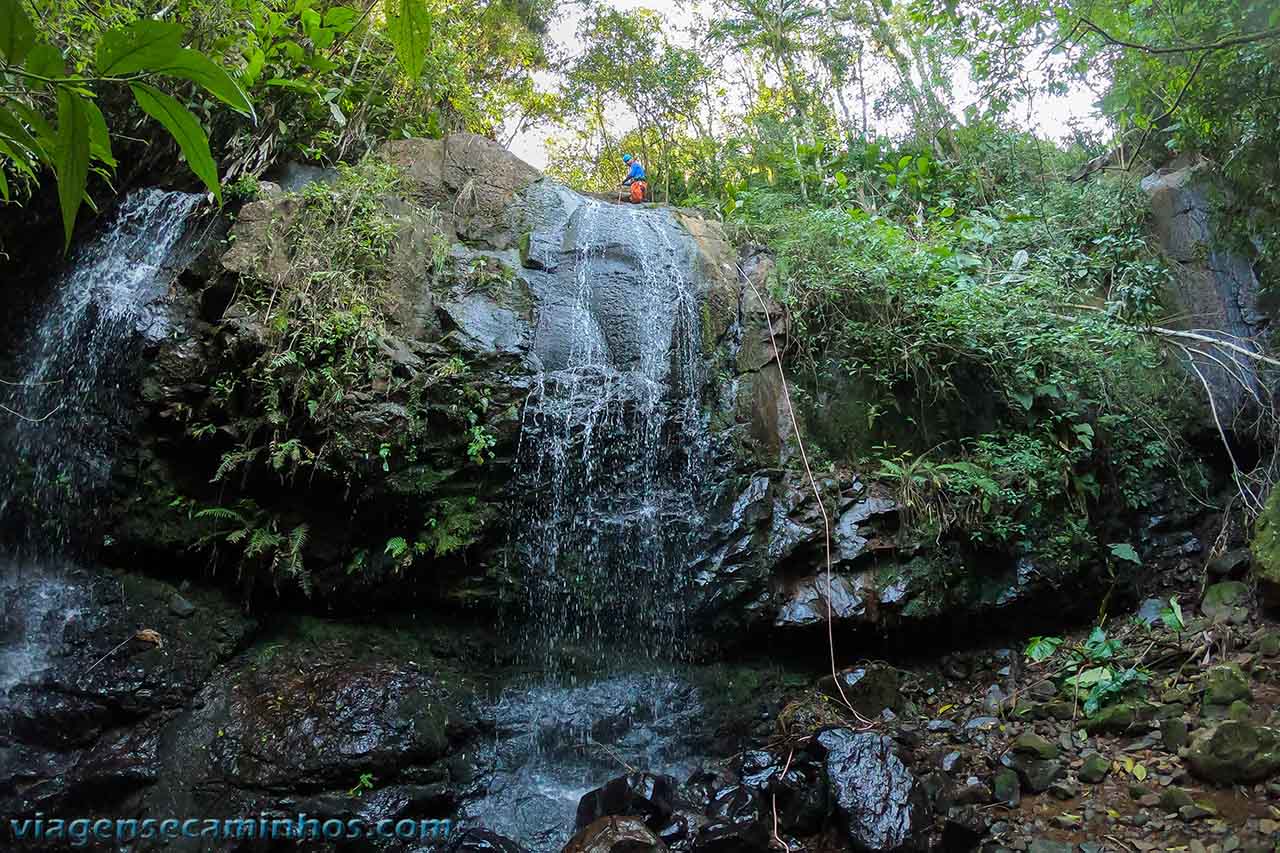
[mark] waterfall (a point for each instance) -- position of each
(606, 499)
(613, 440)
(65, 409)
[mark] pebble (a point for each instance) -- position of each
(1195, 812)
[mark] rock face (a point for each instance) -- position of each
(1213, 285)
(878, 799)
(89, 724)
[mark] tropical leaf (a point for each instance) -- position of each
(195, 66)
(410, 33)
(17, 36)
(71, 160)
(99, 136)
(185, 129)
(45, 60)
(144, 45)
(1124, 551)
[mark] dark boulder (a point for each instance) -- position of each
(643, 795)
(880, 802)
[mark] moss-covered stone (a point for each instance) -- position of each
(1225, 602)
(1225, 684)
(1095, 768)
(1116, 719)
(1235, 752)
(1266, 551)
(1030, 743)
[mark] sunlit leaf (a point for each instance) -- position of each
(143, 45)
(195, 66)
(410, 33)
(185, 129)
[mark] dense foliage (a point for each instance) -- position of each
(310, 79)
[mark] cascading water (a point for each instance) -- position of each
(64, 408)
(612, 442)
(607, 497)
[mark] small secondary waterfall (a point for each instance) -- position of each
(64, 409)
(609, 472)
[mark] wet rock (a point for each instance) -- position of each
(642, 795)
(1226, 602)
(482, 841)
(878, 798)
(994, 699)
(1064, 790)
(1225, 683)
(616, 835)
(1095, 768)
(1007, 787)
(1035, 774)
(982, 724)
(180, 607)
(808, 601)
(951, 762)
(964, 828)
(1235, 752)
(725, 836)
(869, 688)
(1232, 564)
(1150, 610)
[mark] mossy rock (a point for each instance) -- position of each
(1266, 551)
(1226, 602)
(1235, 752)
(1116, 719)
(1095, 768)
(1030, 743)
(1224, 684)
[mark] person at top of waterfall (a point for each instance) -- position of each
(635, 178)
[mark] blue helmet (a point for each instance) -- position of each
(626, 158)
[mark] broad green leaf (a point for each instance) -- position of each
(46, 138)
(17, 36)
(45, 60)
(195, 66)
(185, 129)
(13, 128)
(1124, 551)
(410, 33)
(71, 158)
(18, 156)
(4, 186)
(340, 18)
(1042, 648)
(99, 136)
(144, 45)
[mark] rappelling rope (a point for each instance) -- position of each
(817, 494)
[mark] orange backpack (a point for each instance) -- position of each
(638, 191)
